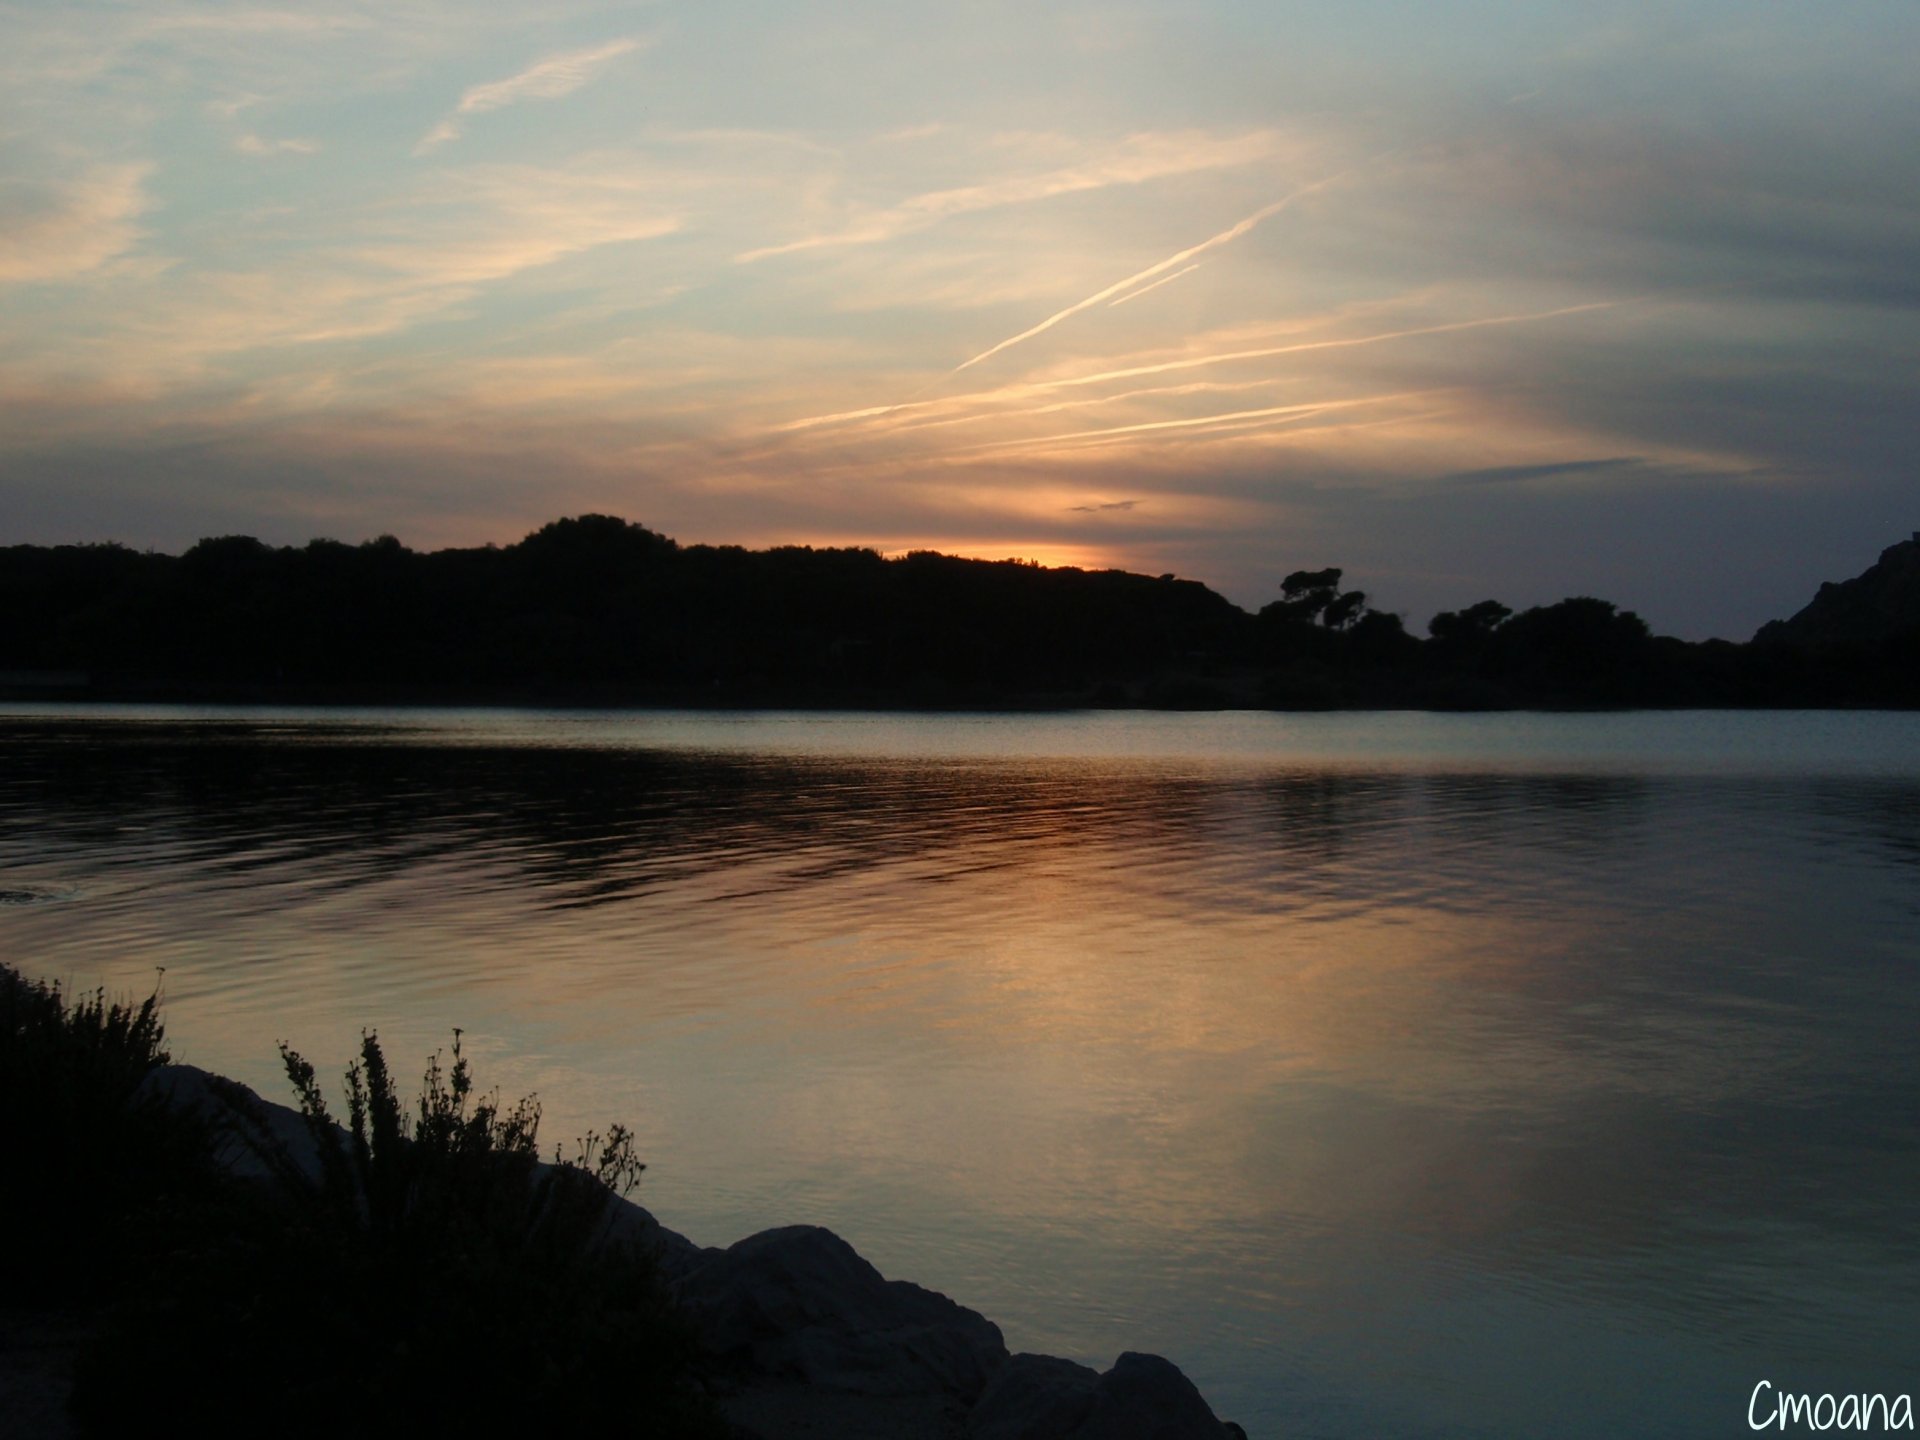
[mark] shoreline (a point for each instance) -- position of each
(804, 1336)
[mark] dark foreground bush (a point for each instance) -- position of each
(84, 1166)
(415, 1270)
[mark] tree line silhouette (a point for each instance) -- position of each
(595, 609)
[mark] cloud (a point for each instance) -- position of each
(1515, 474)
(1194, 361)
(1142, 158)
(206, 317)
(1235, 419)
(549, 79)
(1736, 199)
(1109, 505)
(251, 144)
(985, 414)
(433, 257)
(260, 22)
(1701, 249)
(60, 230)
(1163, 280)
(229, 108)
(1231, 233)
(382, 269)
(491, 222)
(1023, 389)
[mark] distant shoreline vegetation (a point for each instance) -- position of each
(599, 611)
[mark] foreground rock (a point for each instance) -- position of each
(800, 1304)
(811, 1339)
(1143, 1397)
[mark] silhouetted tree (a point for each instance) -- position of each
(1470, 626)
(1344, 609)
(1579, 649)
(595, 607)
(1305, 595)
(1380, 638)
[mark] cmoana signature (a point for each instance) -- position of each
(1767, 1407)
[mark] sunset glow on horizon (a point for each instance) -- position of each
(1522, 301)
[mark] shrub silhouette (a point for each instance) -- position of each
(85, 1161)
(465, 1171)
(424, 1269)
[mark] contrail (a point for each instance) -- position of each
(1198, 387)
(1195, 362)
(843, 415)
(1163, 280)
(1311, 407)
(1231, 233)
(1225, 424)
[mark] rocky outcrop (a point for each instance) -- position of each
(799, 1303)
(253, 1136)
(1875, 609)
(811, 1338)
(245, 1128)
(1143, 1397)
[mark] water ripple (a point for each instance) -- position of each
(1322, 1065)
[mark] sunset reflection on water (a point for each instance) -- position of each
(1376, 1078)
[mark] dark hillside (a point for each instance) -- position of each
(1878, 607)
(1859, 637)
(597, 610)
(593, 608)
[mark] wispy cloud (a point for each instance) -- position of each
(229, 108)
(1163, 280)
(259, 22)
(381, 271)
(1025, 389)
(549, 79)
(984, 414)
(1192, 362)
(1141, 159)
(1517, 474)
(251, 144)
(1225, 237)
(1231, 417)
(491, 222)
(1307, 431)
(58, 230)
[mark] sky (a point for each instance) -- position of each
(1485, 299)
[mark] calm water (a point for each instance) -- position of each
(1404, 1074)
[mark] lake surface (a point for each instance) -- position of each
(1394, 1074)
